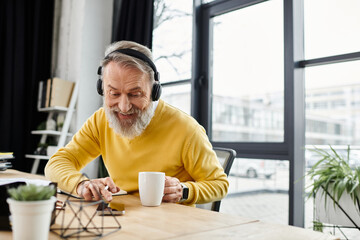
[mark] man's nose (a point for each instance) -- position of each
(124, 103)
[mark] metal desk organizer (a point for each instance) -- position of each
(80, 224)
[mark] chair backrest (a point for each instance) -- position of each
(226, 158)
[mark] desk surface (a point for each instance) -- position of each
(174, 221)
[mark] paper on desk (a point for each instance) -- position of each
(119, 193)
(4, 181)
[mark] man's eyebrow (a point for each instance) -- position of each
(109, 85)
(135, 89)
(131, 90)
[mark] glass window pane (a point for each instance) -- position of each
(331, 27)
(172, 39)
(333, 104)
(258, 189)
(178, 96)
(332, 117)
(247, 74)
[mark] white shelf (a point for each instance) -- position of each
(37, 156)
(49, 132)
(62, 135)
(55, 108)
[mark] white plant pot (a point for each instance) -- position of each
(31, 219)
(333, 214)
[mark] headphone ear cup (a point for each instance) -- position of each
(99, 87)
(156, 91)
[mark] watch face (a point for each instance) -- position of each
(185, 193)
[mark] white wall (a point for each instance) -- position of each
(84, 32)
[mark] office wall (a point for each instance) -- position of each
(84, 30)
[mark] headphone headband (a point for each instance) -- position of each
(138, 55)
(156, 89)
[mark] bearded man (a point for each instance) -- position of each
(136, 131)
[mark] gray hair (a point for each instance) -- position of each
(126, 60)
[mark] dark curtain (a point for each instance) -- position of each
(133, 21)
(25, 46)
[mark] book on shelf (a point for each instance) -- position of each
(55, 92)
(6, 155)
(40, 94)
(5, 165)
(48, 89)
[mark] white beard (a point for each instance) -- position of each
(129, 128)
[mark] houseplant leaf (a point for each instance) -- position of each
(31, 192)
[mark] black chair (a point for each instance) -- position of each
(226, 158)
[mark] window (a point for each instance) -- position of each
(172, 39)
(331, 27)
(242, 77)
(242, 99)
(248, 92)
(333, 109)
(332, 73)
(178, 96)
(172, 49)
(258, 189)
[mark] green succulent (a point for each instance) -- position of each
(31, 192)
(318, 226)
(334, 174)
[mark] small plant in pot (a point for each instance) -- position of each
(31, 207)
(335, 180)
(41, 149)
(60, 126)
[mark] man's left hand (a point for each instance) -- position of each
(172, 190)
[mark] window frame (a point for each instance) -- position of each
(292, 148)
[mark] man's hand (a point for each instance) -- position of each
(94, 188)
(173, 190)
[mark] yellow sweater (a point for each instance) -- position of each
(173, 143)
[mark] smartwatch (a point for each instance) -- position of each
(185, 192)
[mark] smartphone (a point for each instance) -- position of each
(103, 209)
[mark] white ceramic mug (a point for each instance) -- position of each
(151, 188)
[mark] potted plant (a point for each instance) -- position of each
(60, 126)
(336, 189)
(41, 149)
(31, 207)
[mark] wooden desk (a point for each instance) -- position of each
(174, 221)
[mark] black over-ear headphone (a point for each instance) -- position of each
(156, 89)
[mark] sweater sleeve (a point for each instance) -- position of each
(200, 161)
(65, 165)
